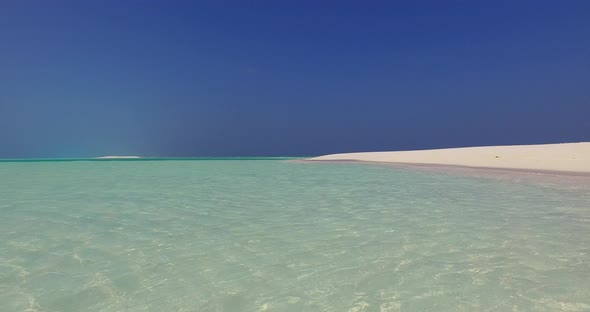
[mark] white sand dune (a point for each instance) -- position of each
(570, 157)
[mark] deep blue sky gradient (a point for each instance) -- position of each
(226, 78)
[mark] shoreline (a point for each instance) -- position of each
(562, 180)
(564, 165)
(566, 157)
(435, 166)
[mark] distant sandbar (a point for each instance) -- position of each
(117, 157)
(566, 157)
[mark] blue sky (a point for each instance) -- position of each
(226, 78)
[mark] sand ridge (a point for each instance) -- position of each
(566, 157)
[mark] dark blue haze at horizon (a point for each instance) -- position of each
(159, 78)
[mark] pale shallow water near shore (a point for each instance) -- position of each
(273, 235)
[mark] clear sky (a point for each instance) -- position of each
(226, 78)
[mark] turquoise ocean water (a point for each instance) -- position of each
(277, 235)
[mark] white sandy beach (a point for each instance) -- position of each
(116, 157)
(566, 157)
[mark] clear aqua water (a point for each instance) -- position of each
(275, 235)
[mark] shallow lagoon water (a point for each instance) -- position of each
(275, 235)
